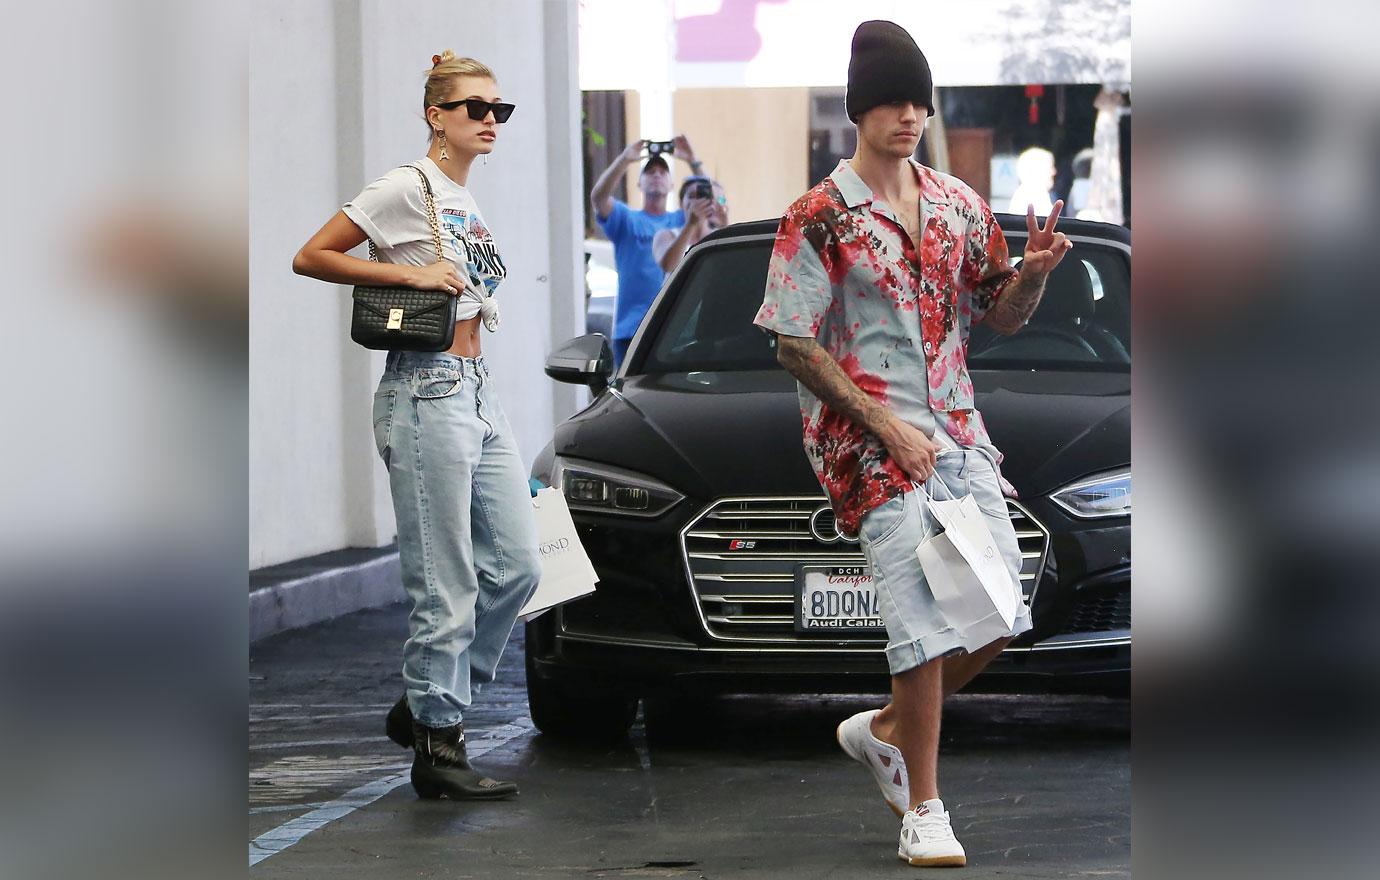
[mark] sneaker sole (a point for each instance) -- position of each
(838, 738)
(935, 861)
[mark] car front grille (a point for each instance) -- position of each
(1099, 613)
(741, 555)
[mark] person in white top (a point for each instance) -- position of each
(705, 206)
(467, 537)
(1035, 170)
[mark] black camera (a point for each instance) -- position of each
(702, 189)
(656, 148)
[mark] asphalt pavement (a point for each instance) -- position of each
(1037, 786)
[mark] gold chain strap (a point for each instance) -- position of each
(429, 200)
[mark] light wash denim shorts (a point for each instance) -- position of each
(917, 630)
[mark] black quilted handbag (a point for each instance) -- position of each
(404, 318)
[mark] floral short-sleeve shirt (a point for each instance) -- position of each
(844, 271)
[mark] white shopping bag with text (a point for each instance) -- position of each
(966, 573)
(566, 572)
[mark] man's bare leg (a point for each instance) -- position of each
(958, 671)
(917, 699)
(953, 674)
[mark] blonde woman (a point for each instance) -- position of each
(466, 532)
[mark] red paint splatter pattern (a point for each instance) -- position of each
(896, 318)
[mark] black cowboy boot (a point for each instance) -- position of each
(440, 768)
(399, 724)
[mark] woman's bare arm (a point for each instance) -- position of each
(324, 257)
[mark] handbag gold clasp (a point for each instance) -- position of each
(395, 317)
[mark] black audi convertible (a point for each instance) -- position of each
(693, 497)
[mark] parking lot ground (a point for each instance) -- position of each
(1038, 786)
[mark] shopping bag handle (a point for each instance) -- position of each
(924, 490)
(933, 479)
(946, 451)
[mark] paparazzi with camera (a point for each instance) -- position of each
(705, 207)
(639, 276)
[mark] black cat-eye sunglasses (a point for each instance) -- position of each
(479, 109)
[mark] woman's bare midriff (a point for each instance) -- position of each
(466, 342)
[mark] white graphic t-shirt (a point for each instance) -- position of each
(392, 213)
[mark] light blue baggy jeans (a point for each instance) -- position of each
(467, 535)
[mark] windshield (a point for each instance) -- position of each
(1083, 322)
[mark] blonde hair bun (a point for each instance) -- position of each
(449, 64)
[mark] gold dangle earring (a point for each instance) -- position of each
(441, 133)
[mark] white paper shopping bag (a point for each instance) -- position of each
(566, 572)
(966, 573)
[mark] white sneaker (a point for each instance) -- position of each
(927, 839)
(883, 759)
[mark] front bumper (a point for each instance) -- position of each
(1089, 663)
(645, 628)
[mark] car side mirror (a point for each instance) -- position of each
(584, 360)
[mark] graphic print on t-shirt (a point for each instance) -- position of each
(474, 244)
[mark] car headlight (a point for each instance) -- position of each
(602, 488)
(1102, 496)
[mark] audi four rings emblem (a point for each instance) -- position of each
(825, 527)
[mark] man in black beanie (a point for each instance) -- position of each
(875, 279)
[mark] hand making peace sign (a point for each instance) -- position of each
(1044, 247)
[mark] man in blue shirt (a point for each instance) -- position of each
(639, 276)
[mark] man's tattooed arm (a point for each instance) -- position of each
(1044, 248)
(1016, 304)
(807, 361)
(813, 367)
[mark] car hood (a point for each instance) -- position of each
(714, 434)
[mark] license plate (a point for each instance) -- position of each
(836, 599)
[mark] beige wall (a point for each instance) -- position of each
(632, 117)
(756, 142)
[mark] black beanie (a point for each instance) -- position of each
(886, 66)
